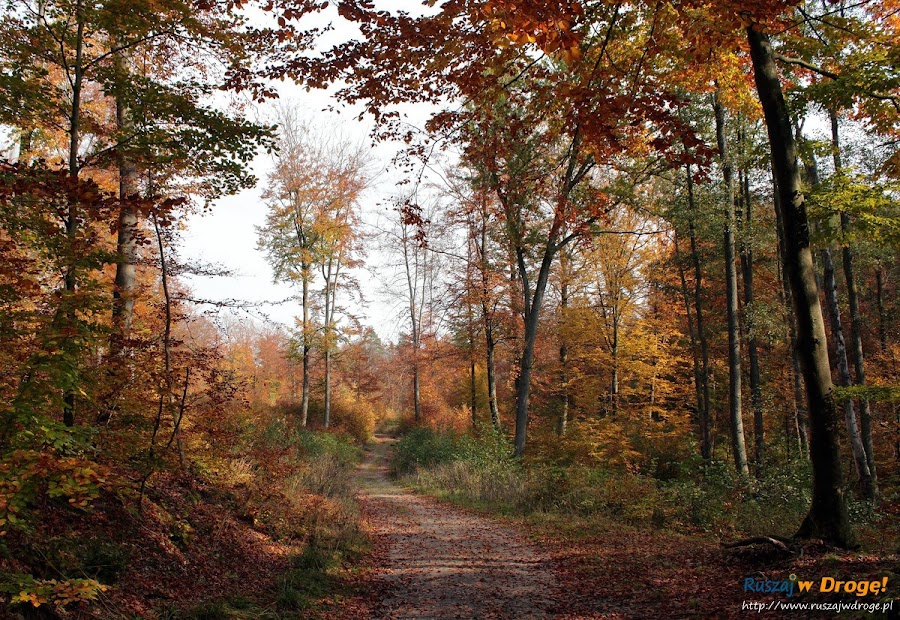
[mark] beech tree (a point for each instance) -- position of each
(828, 514)
(313, 194)
(738, 446)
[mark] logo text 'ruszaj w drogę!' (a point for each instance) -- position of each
(826, 584)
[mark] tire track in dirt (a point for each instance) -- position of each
(437, 561)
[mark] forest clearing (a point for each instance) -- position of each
(466, 309)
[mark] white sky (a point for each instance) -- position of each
(227, 236)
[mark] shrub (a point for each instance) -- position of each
(353, 416)
(481, 470)
(425, 448)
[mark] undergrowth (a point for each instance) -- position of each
(262, 521)
(480, 471)
(314, 509)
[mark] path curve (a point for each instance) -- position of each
(443, 562)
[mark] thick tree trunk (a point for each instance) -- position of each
(706, 419)
(859, 364)
(827, 517)
(738, 444)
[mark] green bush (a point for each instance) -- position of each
(283, 433)
(480, 470)
(425, 448)
(312, 444)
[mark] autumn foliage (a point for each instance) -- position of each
(644, 255)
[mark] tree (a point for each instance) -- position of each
(168, 137)
(291, 234)
(486, 283)
(615, 105)
(619, 263)
(827, 516)
(407, 236)
(511, 154)
(699, 343)
(312, 195)
(738, 446)
(859, 362)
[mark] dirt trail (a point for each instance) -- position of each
(441, 562)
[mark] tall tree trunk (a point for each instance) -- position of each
(532, 308)
(470, 333)
(614, 351)
(412, 281)
(827, 517)
(563, 419)
(695, 356)
(473, 388)
(882, 315)
(417, 391)
(840, 349)
(330, 292)
(487, 317)
(327, 419)
(167, 347)
(752, 348)
(72, 215)
(125, 282)
(126, 241)
(706, 419)
(490, 346)
(865, 414)
(304, 301)
(738, 444)
(800, 418)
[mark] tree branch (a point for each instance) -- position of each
(894, 99)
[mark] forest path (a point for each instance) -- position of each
(437, 561)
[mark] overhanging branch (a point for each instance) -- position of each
(894, 99)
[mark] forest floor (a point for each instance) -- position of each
(205, 550)
(433, 559)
